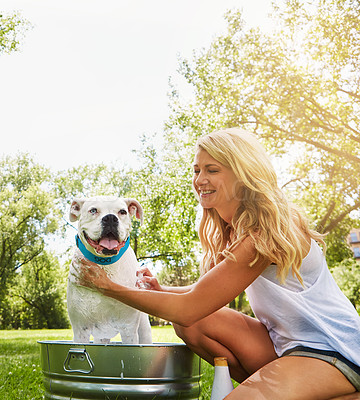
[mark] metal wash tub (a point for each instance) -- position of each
(118, 371)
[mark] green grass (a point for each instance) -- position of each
(20, 371)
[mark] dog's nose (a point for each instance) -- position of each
(110, 219)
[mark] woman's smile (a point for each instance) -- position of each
(206, 192)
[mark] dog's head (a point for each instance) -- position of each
(104, 223)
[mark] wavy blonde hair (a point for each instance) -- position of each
(275, 225)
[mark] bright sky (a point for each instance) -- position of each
(92, 75)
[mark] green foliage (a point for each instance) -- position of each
(38, 295)
(336, 242)
(347, 276)
(168, 235)
(27, 214)
(12, 31)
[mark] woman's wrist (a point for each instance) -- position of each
(109, 287)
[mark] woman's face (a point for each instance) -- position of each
(216, 185)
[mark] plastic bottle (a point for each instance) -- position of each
(222, 384)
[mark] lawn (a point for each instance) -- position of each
(20, 372)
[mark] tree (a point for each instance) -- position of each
(12, 31)
(27, 214)
(296, 88)
(37, 297)
(347, 276)
(164, 188)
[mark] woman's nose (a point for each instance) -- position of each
(201, 179)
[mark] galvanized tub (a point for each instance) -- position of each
(118, 371)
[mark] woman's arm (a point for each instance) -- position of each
(214, 290)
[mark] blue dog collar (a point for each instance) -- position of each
(101, 260)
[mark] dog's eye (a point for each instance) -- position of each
(93, 211)
(123, 212)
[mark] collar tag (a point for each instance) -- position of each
(97, 259)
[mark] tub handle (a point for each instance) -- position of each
(78, 355)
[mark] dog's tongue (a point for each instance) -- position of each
(109, 243)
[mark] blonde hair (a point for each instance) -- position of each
(275, 225)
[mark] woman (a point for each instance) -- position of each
(254, 240)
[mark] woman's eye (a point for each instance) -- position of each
(93, 211)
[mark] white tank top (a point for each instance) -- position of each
(318, 315)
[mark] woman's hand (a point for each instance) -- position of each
(90, 275)
(146, 280)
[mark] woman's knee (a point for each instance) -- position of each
(188, 334)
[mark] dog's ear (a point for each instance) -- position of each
(75, 209)
(134, 208)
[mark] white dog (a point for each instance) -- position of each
(104, 225)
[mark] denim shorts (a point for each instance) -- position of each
(350, 370)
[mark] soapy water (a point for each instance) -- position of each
(140, 283)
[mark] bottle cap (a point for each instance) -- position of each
(220, 362)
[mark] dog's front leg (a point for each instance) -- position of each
(81, 335)
(129, 336)
(101, 340)
(145, 336)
